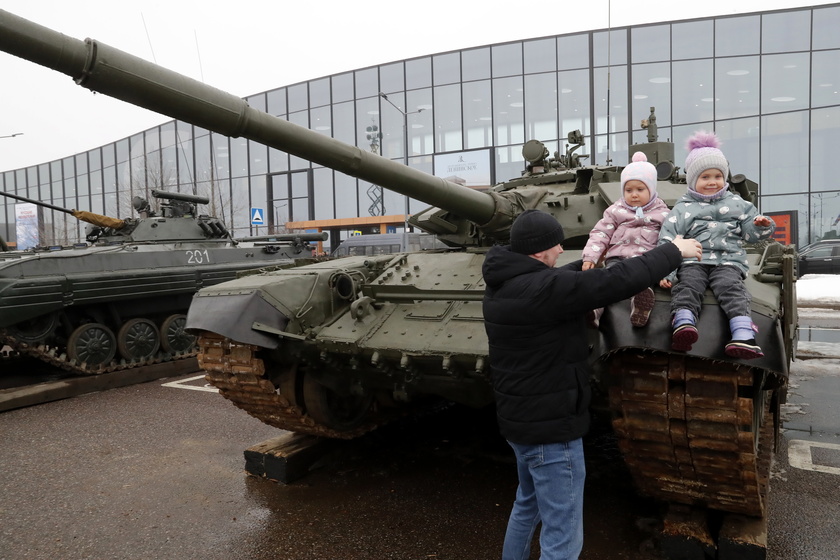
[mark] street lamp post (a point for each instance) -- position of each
(405, 139)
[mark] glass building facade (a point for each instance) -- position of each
(767, 83)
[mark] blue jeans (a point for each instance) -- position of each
(550, 491)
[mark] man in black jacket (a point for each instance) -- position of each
(534, 315)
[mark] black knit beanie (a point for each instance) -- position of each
(534, 231)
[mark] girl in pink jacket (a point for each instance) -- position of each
(629, 228)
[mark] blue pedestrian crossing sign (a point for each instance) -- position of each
(257, 217)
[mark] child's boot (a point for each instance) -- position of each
(743, 344)
(685, 333)
(640, 307)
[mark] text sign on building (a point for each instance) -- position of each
(257, 217)
(471, 169)
(26, 225)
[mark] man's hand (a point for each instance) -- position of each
(690, 248)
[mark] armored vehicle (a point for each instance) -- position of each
(336, 348)
(121, 299)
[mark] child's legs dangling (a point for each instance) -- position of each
(728, 286)
(686, 301)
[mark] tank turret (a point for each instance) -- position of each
(336, 348)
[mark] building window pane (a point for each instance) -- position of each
(475, 64)
(367, 83)
(238, 157)
(541, 107)
(616, 112)
(651, 88)
(825, 138)
(736, 87)
(785, 79)
(418, 73)
(298, 99)
(784, 153)
(509, 162)
(186, 172)
(346, 204)
(613, 43)
(322, 191)
(277, 102)
(737, 36)
(392, 77)
(420, 131)
(368, 112)
(222, 156)
(826, 24)
(540, 55)
(258, 157)
(508, 114)
(507, 60)
(825, 76)
(319, 92)
(692, 40)
(692, 91)
(573, 52)
(342, 87)
(320, 120)
(447, 118)
(785, 32)
(478, 115)
(650, 44)
(740, 143)
(573, 100)
(447, 68)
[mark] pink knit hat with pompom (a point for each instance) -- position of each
(640, 170)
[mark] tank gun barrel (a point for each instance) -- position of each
(38, 202)
(117, 74)
(89, 217)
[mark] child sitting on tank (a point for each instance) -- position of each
(629, 228)
(722, 222)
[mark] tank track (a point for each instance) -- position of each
(53, 357)
(692, 430)
(240, 375)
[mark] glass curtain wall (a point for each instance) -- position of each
(767, 83)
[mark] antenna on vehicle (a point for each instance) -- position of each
(198, 53)
(149, 39)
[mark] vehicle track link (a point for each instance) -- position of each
(240, 375)
(692, 430)
(52, 356)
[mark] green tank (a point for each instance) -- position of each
(120, 300)
(337, 348)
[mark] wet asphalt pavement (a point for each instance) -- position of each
(157, 472)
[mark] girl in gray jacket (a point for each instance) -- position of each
(722, 222)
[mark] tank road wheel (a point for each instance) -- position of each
(174, 338)
(335, 411)
(36, 329)
(93, 344)
(138, 339)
